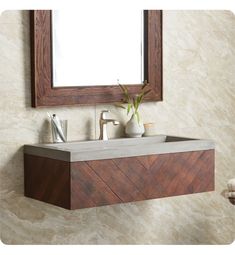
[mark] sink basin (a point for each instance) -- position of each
(117, 148)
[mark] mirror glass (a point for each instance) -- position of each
(95, 48)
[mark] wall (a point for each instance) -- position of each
(199, 101)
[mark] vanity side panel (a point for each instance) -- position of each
(47, 180)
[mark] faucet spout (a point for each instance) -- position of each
(115, 122)
(103, 125)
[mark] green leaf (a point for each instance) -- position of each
(128, 108)
(124, 89)
(138, 117)
(141, 97)
(120, 105)
(139, 100)
(135, 103)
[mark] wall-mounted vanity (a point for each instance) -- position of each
(95, 173)
(74, 61)
(78, 56)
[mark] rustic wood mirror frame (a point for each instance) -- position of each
(43, 92)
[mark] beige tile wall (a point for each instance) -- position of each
(199, 101)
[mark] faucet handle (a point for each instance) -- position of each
(103, 115)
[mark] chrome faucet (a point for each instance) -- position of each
(103, 125)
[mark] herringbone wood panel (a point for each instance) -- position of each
(148, 177)
(103, 182)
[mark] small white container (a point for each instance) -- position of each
(150, 129)
(55, 136)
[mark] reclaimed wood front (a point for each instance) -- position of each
(83, 184)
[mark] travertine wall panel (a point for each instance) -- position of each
(199, 101)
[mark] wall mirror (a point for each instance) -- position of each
(78, 57)
(100, 50)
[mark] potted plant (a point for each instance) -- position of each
(134, 127)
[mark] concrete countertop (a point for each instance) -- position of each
(117, 148)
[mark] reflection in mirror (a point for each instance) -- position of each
(92, 48)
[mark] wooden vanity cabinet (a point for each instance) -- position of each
(83, 184)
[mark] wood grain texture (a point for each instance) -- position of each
(47, 180)
(88, 189)
(93, 183)
(43, 93)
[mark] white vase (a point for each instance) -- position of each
(134, 128)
